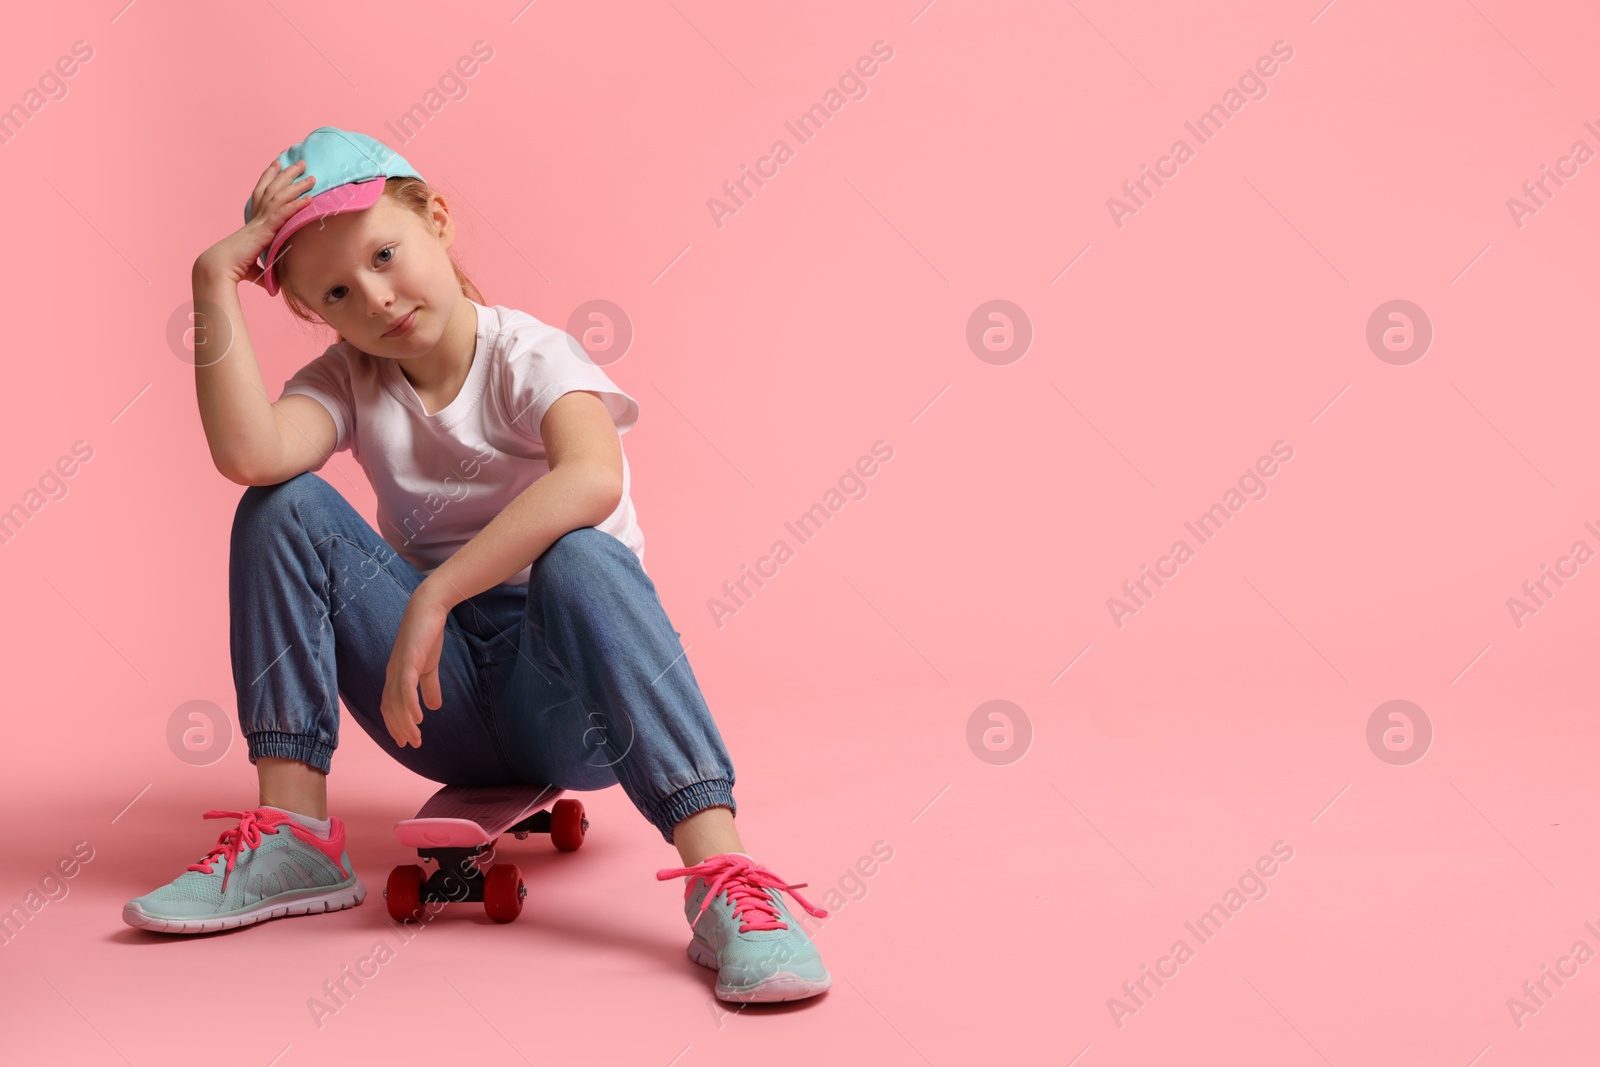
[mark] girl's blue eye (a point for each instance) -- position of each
(335, 289)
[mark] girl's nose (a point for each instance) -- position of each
(379, 298)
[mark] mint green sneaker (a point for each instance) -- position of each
(265, 873)
(744, 932)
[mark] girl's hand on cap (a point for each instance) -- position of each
(279, 193)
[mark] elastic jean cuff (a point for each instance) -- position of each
(302, 747)
(712, 793)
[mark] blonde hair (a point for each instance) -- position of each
(414, 195)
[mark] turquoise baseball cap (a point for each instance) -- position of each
(349, 168)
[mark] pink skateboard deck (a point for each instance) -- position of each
(457, 829)
(459, 816)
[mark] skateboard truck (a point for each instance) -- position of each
(457, 829)
(539, 823)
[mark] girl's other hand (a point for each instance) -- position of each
(277, 197)
(415, 658)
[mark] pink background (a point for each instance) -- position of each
(829, 313)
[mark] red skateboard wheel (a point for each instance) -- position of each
(567, 825)
(503, 892)
(404, 893)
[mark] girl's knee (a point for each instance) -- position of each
(575, 547)
(579, 559)
(261, 504)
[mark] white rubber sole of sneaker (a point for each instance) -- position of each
(283, 904)
(779, 986)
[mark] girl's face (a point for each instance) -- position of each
(363, 272)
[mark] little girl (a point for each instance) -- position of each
(508, 581)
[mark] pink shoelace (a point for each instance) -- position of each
(246, 835)
(746, 882)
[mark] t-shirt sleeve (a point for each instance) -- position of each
(326, 380)
(545, 363)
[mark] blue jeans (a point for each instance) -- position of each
(571, 680)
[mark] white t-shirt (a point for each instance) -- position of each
(442, 477)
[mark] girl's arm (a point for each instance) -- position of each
(240, 423)
(582, 487)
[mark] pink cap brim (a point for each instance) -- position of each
(355, 196)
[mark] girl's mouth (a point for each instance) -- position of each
(403, 325)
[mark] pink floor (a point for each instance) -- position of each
(1412, 502)
(1017, 901)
